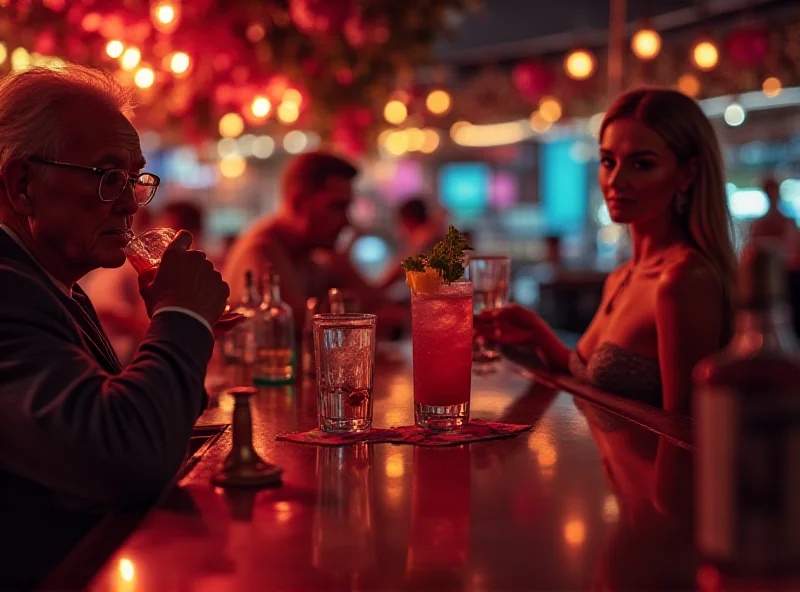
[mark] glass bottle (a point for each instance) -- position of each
(274, 336)
(236, 342)
(747, 409)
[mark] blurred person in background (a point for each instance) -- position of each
(79, 434)
(115, 292)
(299, 242)
(418, 230)
(661, 173)
(777, 225)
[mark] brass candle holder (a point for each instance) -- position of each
(243, 467)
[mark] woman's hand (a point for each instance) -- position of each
(510, 325)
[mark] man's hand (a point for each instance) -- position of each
(185, 278)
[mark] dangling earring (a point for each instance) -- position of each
(681, 201)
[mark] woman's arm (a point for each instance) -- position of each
(689, 323)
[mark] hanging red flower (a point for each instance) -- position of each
(747, 46)
(532, 79)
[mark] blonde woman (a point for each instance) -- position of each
(661, 174)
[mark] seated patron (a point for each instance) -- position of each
(80, 434)
(299, 242)
(661, 174)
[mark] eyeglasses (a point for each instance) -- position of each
(114, 181)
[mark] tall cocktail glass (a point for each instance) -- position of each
(441, 333)
(490, 277)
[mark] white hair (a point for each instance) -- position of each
(33, 102)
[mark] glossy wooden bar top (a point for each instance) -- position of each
(585, 499)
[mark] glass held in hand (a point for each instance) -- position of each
(345, 350)
(146, 250)
(490, 277)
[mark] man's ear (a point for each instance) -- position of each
(15, 176)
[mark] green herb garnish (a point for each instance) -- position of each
(446, 257)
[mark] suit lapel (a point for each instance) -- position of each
(82, 313)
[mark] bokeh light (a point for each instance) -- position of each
(179, 63)
(538, 123)
(231, 125)
(263, 147)
(295, 142)
(580, 64)
(227, 147)
(395, 112)
(165, 13)
(431, 141)
(114, 48)
(292, 95)
(646, 44)
(705, 55)
(689, 85)
(416, 138)
(772, 87)
(126, 570)
(232, 166)
(131, 58)
(575, 532)
(396, 143)
(288, 112)
(20, 59)
(144, 77)
(261, 106)
(550, 109)
(734, 115)
(3, 52)
(438, 102)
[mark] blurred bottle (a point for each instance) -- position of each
(747, 407)
(273, 336)
(236, 341)
(336, 300)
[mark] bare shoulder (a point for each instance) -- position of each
(689, 279)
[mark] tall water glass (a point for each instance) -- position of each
(345, 353)
(441, 335)
(146, 250)
(490, 277)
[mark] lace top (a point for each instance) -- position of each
(616, 370)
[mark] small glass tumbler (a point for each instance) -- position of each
(344, 345)
(146, 250)
(490, 277)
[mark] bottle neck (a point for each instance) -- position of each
(768, 328)
(272, 293)
(251, 296)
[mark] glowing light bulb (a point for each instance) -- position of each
(705, 55)
(114, 48)
(261, 106)
(646, 44)
(131, 58)
(580, 64)
(180, 62)
(165, 14)
(145, 77)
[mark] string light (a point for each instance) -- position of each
(232, 166)
(430, 142)
(646, 44)
(395, 112)
(689, 85)
(771, 87)
(261, 106)
(550, 109)
(438, 102)
(179, 63)
(131, 58)
(705, 55)
(579, 64)
(114, 48)
(231, 125)
(288, 112)
(144, 77)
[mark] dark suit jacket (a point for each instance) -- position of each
(79, 435)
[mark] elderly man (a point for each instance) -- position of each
(77, 430)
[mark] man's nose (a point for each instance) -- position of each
(126, 202)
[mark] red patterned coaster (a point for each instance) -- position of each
(474, 431)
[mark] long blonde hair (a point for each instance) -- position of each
(689, 135)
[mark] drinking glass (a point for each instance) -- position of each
(345, 352)
(441, 335)
(145, 251)
(490, 277)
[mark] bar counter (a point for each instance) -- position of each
(596, 495)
